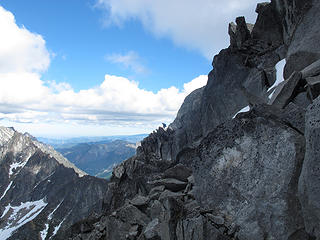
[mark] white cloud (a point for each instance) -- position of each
(20, 50)
(195, 83)
(200, 25)
(117, 102)
(117, 99)
(130, 60)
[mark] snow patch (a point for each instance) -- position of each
(20, 215)
(5, 135)
(5, 191)
(6, 210)
(51, 214)
(279, 67)
(245, 109)
(56, 228)
(44, 232)
(20, 165)
(43, 180)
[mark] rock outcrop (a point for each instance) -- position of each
(240, 161)
(309, 182)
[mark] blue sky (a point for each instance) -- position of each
(106, 67)
(74, 30)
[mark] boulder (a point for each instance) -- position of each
(313, 80)
(132, 215)
(179, 172)
(167, 194)
(311, 70)
(151, 231)
(302, 100)
(248, 170)
(170, 183)
(191, 229)
(309, 182)
(283, 92)
(139, 201)
(156, 190)
(294, 116)
(215, 219)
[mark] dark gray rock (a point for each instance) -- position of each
(311, 70)
(168, 194)
(294, 116)
(222, 97)
(303, 45)
(191, 228)
(186, 124)
(257, 82)
(139, 201)
(297, 61)
(291, 13)
(312, 81)
(302, 100)
(239, 33)
(170, 183)
(268, 27)
(247, 170)
(151, 231)
(215, 219)
(283, 93)
(179, 172)
(156, 189)
(309, 183)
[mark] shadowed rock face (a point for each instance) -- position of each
(304, 41)
(247, 170)
(216, 173)
(309, 184)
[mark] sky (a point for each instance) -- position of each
(106, 67)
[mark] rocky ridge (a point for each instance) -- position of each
(240, 161)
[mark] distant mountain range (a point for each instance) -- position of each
(99, 158)
(70, 142)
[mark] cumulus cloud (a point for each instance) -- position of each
(200, 25)
(20, 50)
(117, 101)
(130, 60)
(195, 83)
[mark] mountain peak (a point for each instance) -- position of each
(6, 134)
(20, 141)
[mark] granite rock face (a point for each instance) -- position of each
(240, 161)
(304, 46)
(247, 171)
(309, 184)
